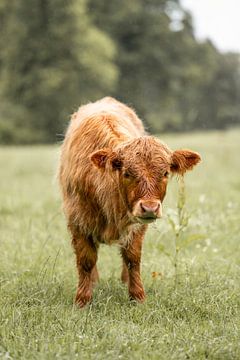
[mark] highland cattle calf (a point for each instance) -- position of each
(113, 179)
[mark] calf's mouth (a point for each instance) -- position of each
(146, 219)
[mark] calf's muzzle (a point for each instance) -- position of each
(148, 210)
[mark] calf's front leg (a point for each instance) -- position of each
(131, 255)
(86, 256)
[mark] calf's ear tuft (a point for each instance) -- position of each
(99, 158)
(183, 160)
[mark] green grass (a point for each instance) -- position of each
(193, 314)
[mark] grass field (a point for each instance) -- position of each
(191, 312)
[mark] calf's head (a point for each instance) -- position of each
(142, 167)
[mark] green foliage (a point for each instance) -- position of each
(175, 82)
(55, 59)
(197, 319)
(57, 54)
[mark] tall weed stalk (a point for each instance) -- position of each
(179, 224)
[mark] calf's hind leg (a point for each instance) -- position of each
(124, 275)
(86, 256)
(94, 275)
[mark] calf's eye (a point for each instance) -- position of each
(166, 174)
(126, 175)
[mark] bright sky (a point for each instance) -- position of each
(218, 20)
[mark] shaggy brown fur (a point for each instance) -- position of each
(113, 179)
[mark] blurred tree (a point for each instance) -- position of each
(173, 80)
(220, 102)
(141, 30)
(52, 58)
(57, 54)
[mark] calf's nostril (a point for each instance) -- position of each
(151, 209)
(142, 207)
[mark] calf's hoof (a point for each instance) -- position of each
(83, 297)
(137, 295)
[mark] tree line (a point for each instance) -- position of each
(58, 54)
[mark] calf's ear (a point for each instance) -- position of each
(183, 160)
(100, 157)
